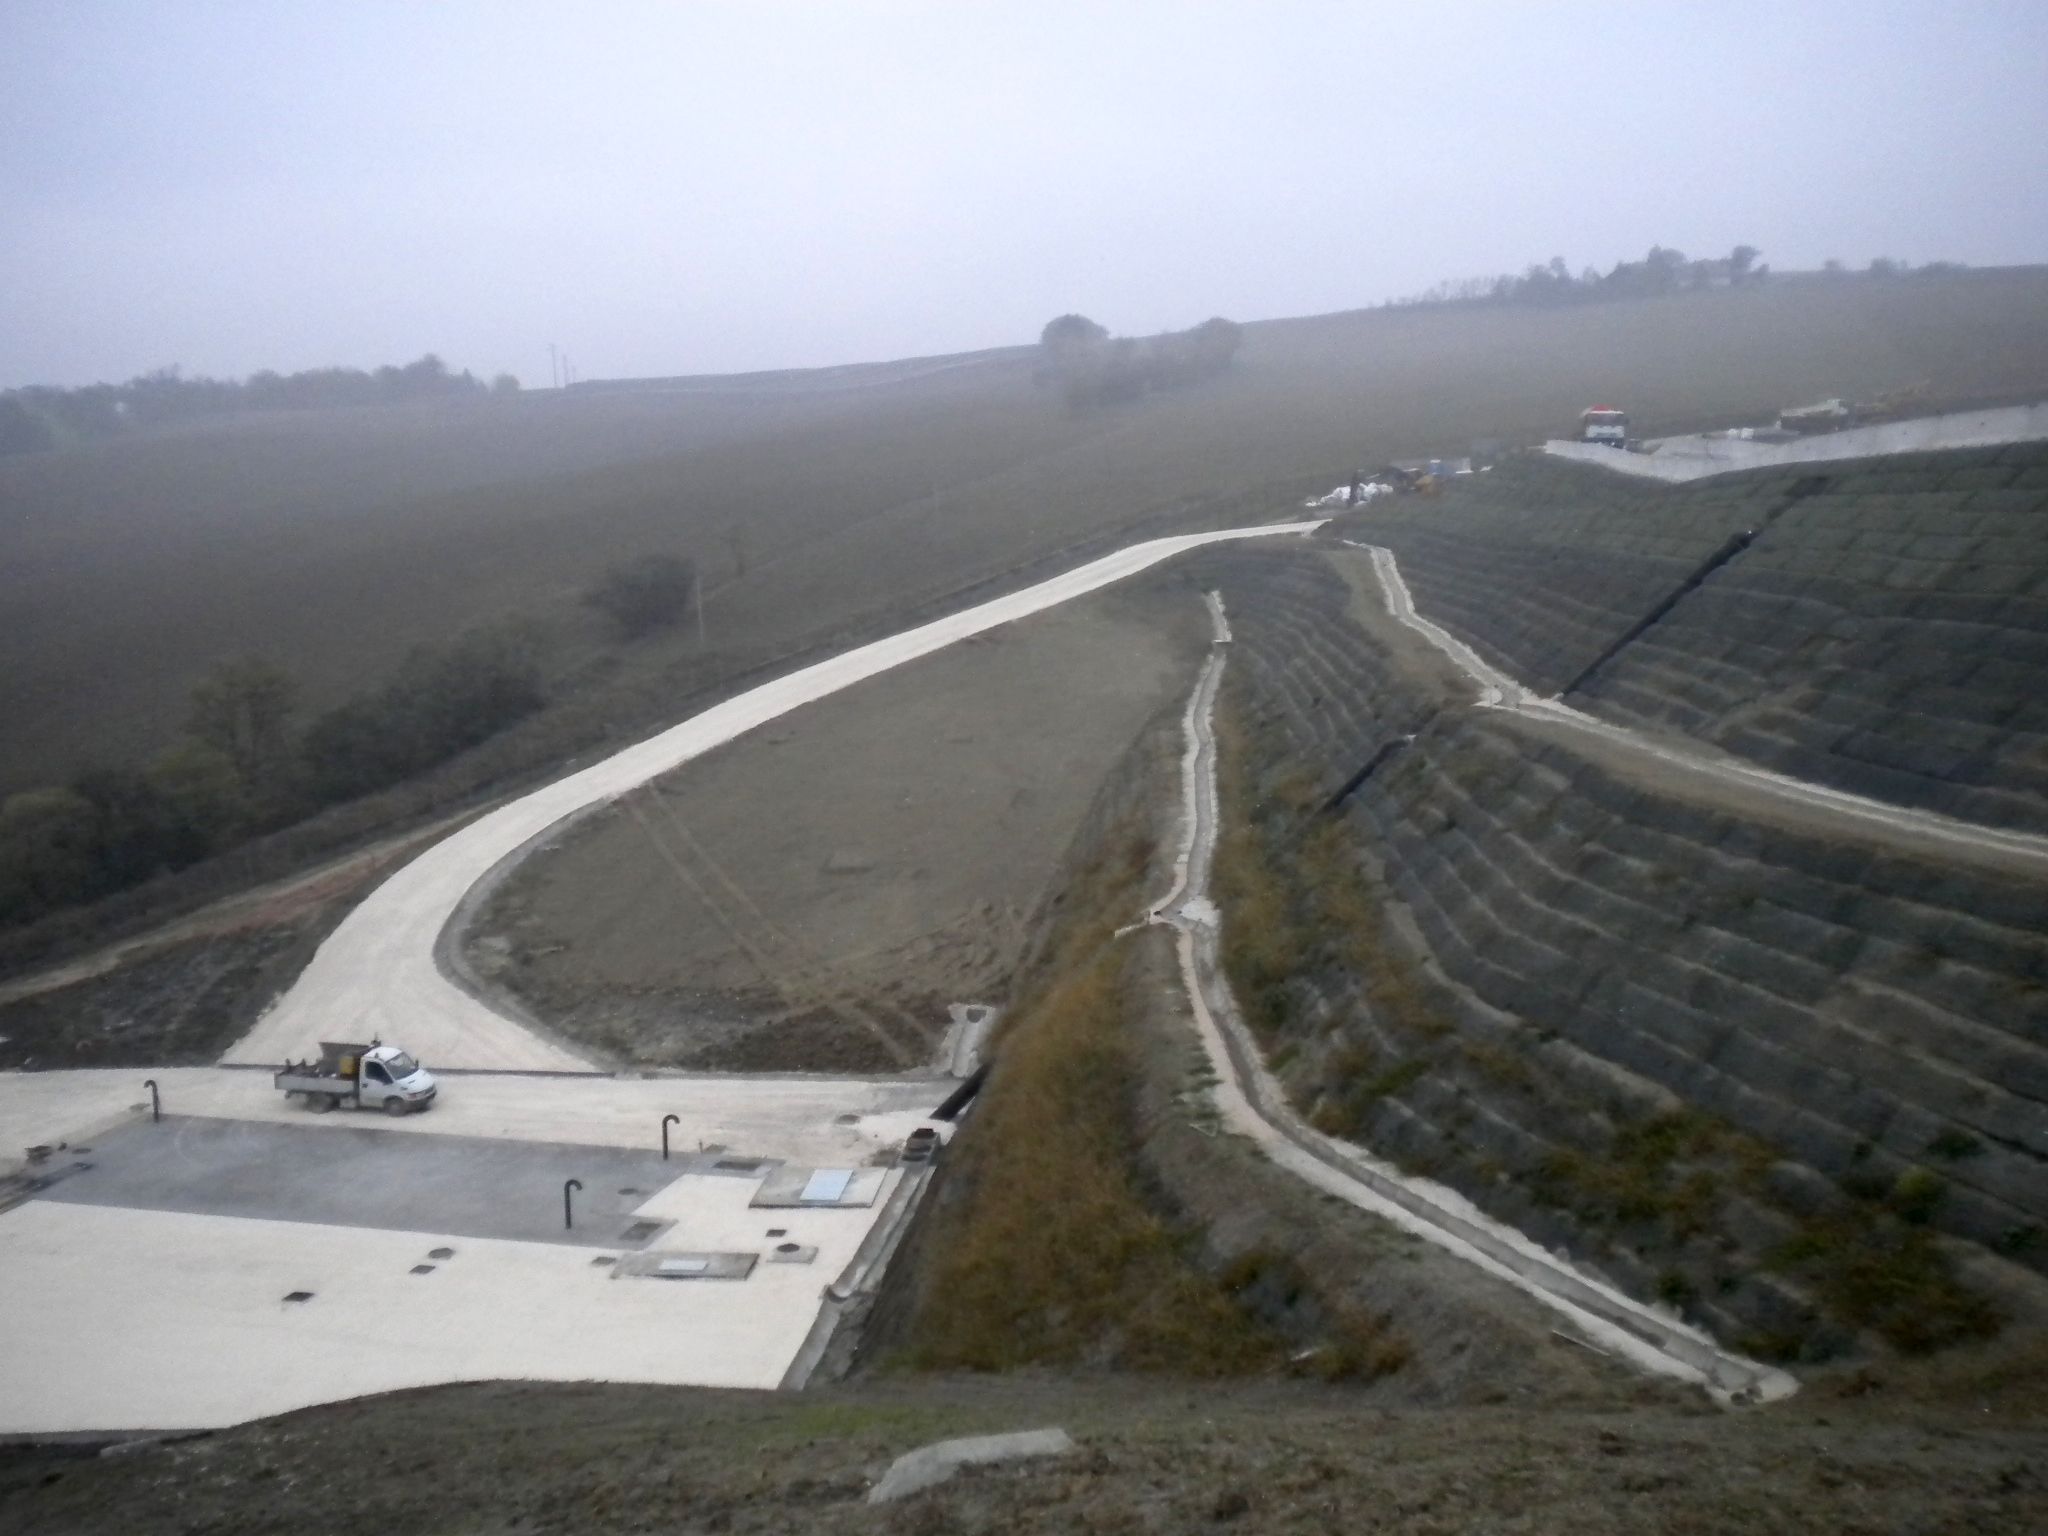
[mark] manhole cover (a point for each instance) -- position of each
(640, 1231)
(738, 1165)
(631, 1191)
(604, 1259)
(298, 1295)
(423, 1269)
(787, 1247)
(778, 1231)
(846, 1120)
(441, 1253)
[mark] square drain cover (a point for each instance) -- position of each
(686, 1266)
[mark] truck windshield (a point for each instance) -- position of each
(401, 1065)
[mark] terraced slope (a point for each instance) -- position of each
(1885, 631)
(1741, 1069)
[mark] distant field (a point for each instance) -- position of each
(333, 542)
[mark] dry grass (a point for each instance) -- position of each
(1056, 1256)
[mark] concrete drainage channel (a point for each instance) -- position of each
(1252, 1103)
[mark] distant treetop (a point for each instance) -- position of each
(1071, 331)
(1093, 369)
(41, 416)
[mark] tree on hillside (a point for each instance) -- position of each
(644, 595)
(1068, 331)
(21, 429)
(1742, 263)
(441, 701)
(46, 852)
(504, 384)
(1216, 341)
(243, 710)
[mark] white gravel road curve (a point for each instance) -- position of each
(1929, 831)
(378, 974)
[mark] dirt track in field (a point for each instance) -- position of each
(812, 896)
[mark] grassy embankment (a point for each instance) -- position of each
(1302, 912)
(1054, 1248)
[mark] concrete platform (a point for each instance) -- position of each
(150, 1289)
(822, 1121)
(364, 1176)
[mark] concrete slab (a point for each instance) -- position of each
(167, 1311)
(667, 1264)
(366, 1176)
(819, 1187)
(127, 1319)
(794, 1119)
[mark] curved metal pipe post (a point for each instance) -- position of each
(156, 1103)
(568, 1215)
(666, 1122)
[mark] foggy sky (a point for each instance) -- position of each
(691, 187)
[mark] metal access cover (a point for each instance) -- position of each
(827, 1186)
(686, 1266)
(843, 1187)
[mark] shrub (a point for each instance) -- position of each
(654, 592)
(442, 700)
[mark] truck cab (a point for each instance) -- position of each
(373, 1076)
(1604, 424)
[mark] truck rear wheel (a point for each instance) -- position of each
(320, 1103)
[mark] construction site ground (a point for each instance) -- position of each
(242, 1257)
(1151, 1456)
(812, 896)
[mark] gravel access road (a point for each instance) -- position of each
(380, 974)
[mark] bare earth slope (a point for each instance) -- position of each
(813, 895)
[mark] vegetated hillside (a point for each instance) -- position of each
(332, 542)
(1884, 631)
(1789, 1083)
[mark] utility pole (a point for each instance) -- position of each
(554, 369)
(697, 602)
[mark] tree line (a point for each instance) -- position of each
(42, 416)
(245, 764)
(1663, 271)
(1090, 368)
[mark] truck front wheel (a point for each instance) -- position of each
(396, 1106)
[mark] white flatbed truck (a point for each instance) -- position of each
(373, 1076)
